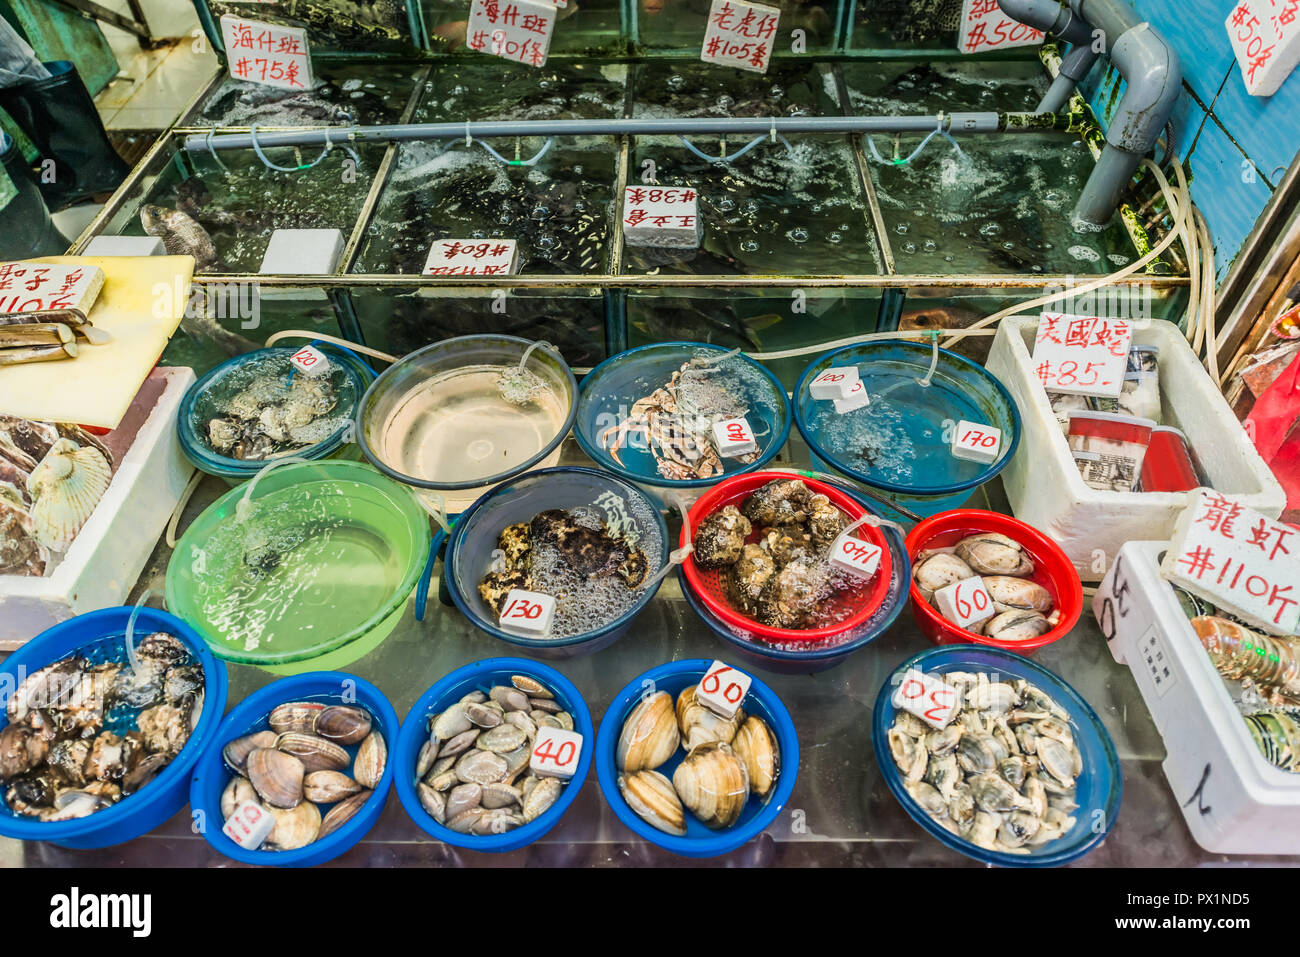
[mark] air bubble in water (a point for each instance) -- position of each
(725, 102)
(930, 245)
(901, 229)
(990, 229)
(776, 92)
(539, 213)
(726, 204)
(797, 235)
(676, 81)
(749, 245)
(834, 237)
(909, 247)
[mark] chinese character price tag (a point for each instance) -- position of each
(249, 825)
(666, 216)
(1082, 355)
(965, 603)
(976, 442)
(267, 53)
(733, 438)
(837, 382)
(35, 287)
(518, 30)
(740, 34)
(928, 697)
(722, 689)
(471, 257)
(1242, 561)
(985, 27)
(1265, 36)
(556, 752)
(310, 361)
(527, 613)
(855, 556)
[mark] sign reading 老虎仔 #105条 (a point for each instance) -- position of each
(267, 53)
(740, 35)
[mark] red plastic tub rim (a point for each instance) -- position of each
(706, 584)
(1052, 569)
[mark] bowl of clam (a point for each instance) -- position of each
(986, 578)
(996, 757)
(696, 757)
(492, 756)
(300, 771)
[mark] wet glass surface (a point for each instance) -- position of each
(592, 27)
(679, 25)
(489, 88)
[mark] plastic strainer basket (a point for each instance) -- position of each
(709, 585)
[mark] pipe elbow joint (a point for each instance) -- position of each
(1153, 81)
(1050, 17)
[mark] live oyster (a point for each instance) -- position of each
(748, 577)
(720, 539)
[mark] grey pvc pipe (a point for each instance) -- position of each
(1074, 67)
(1050, 17)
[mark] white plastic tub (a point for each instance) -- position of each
(1043, 484)
(111, 550)
(1233, 800)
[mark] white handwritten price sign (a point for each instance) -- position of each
(837, 382)
(556, 752)
(1082, 355)
(985, 27)
(35, 287)
(471, 257)
(1242, 561)
(267, 53)
(1265, 36)
(734, 437)
(928, 697)
(740, 34)
(249, 825)
(663, 216)
(965, 603)
(518, 30)
(976, 442)
(856, 556)
(722, 689)
(527, 613)
(310, 361)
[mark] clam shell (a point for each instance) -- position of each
(700, 725)
(344, 724)
(531, 686)
(549, 705)
(451, 722)
(425, 760)
(298, 716)
(341, 813)
(463, 797)
(434, 804)
(501, 795)
(991, 553)
(483, 715)
(276, 776)
(496, 821)
(236, 793)
(294, 828)
(460, 743)
(713, 784)
(481, 767)
(464, 822)
(1016, 625)
(540, 799)
(502, 739)
(236, 752)
(371, 756)
(65, 488)
(523, 722)
(1021, 594)
(510, 699)
(756, 746)
(315, 753)
(652, 797)
(328, 787)
(938, 570)
(649, 736)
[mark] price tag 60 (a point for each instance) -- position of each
(249, 825)
(835, 383)
(855, 399)
(855, 556)
(928, 697)
(527, 613)
(555, 752)
(965, 603)
(734, 437)
(976, 442)
(722, 689)
(310, 361)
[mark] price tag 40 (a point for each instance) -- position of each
(928, 697)
(722, 689)
(555, 752)
(976, 442)
(249, 825)
(835, 383)
(965, 603)
(855, 556)
(734, 437)
(527, 613)
(310, 361)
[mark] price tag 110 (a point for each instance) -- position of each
(1082, 355)
(527, 613)
(734, 437)
(855, 556)
(249, 825)
(966, 602)
(556, 752)
(976, 442)
(928, 697)
(722, 689)
(835, 383)
(310, 361)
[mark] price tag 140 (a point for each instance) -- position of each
(835, 383)
(966, 602)
(310, 361)
(1082, 355)
(855, 556)
(249, 825)
(734, 437)
(722, 689)
(556, 752)
(976, 442)
(527, 613)
(928, 697)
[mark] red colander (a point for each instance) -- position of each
(856, 605)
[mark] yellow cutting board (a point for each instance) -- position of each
(141, 306)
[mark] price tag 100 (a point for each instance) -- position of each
(855, 556)
(310, 361)
(734, 437)
(976, 442)
(1082, 355)
(527, 613)
(249, 825)
(556, 752)
(722, 689)
(966, 602)
(928, 697)
(835, 383)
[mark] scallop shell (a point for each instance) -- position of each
(652, 797)
(650, 736)
(700, 725)
(713, 784)
(294, 828)
(756, 746)
(368, 767)
(65, 488)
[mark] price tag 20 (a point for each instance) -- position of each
(734, 437)
(855, 556)
(976, 442)
(527, 613)
(835, 383)
(1082, 355)
(722, 689)
(555, 752)
(310, 361)
(928, 697)
(966, 602)
(249, 825)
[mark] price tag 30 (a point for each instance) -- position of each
(855, 399)
(1082, 355)
(734, 437)
(722, 689)
(928, 697)
(527, 613)
(249, 825)
(855, 556)
(976, 442)
(555, 752)
(966, 602)
(310, 361)
(835, 383)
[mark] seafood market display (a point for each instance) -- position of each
(1003, 774)
(724, 763)
(1021, 608)
(52, 476)
(98, 726)
(311, 766)
(473, 775)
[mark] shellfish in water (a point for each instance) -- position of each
(713, 784)
(650, 734)
(652, 797)
(699, 725)
(756, 746)
(65, 488)
(294, 828)
(991, 553)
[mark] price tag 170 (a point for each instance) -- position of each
(527, 613)
(722, 689)
(734, 437)
(976, 442)
(249, 825)
(556, 752)
(1082, 355)
(835, 383)
(310, 361)
(928, 697)
(855, 556)
(966, 602)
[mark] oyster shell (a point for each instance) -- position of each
(756, 746)
(652, 797)
(991, 553)
(747, 577)
(713, 784)
(700, 725)
(720, 538)
(368, 767)
(20, 552)
(65, 488)
(276, 776)
(294, 827)
(650, 735)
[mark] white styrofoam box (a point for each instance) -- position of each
(1234, 801)
(1265, 36)
(835, 383)
(855, 397)
(527, 613)
(1043, 484)
(302, 252)
(310, 361)
(555, 752)
(723, 689)
(109, 553)
(125, 246)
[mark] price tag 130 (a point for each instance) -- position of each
(722, 689)
(928, 697)
(966, 602)
(1082, 355)
(855, 556)
(310, 361)
(249, 825)
(835, 383)
(976, 442)
(527, 613)
(556, 752)
(734, 437)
